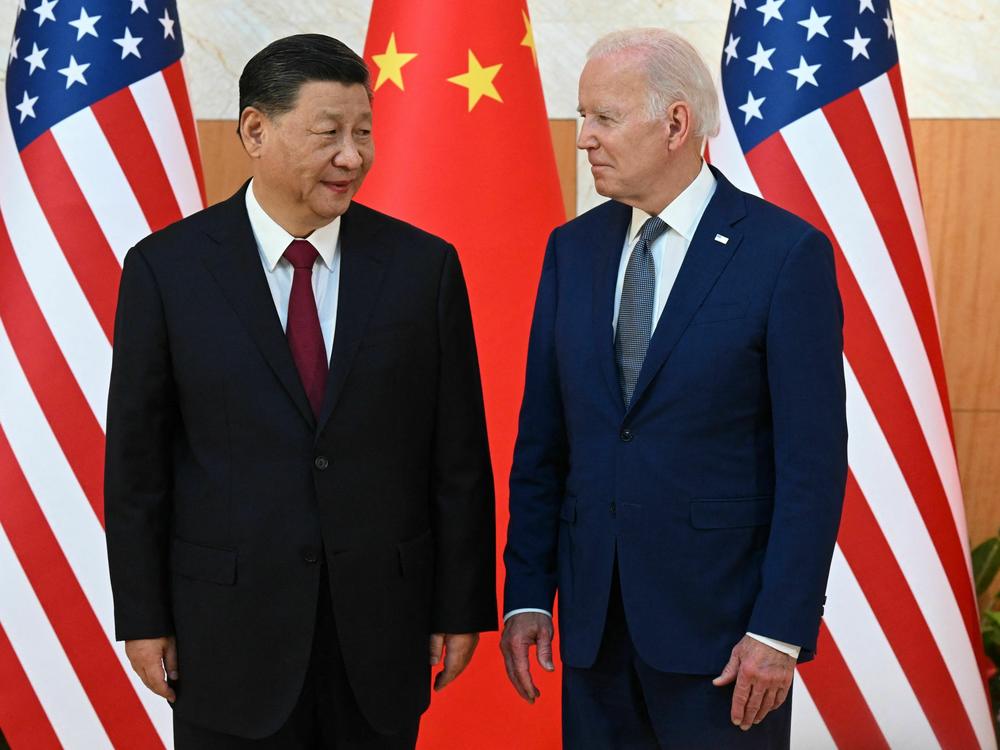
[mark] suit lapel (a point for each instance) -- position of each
(237, 269)
(704, 262)
(362, 267)
(607, 253)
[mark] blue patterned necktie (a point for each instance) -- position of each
(635, 313)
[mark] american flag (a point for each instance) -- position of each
(97, 149)
(814, 119)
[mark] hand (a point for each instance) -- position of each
(763, 678)
(150, 658)
(458, 649)
(520, 633)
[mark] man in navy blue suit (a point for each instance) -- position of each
(682, 451)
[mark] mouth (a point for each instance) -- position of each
(338, 186)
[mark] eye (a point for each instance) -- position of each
(364, 133)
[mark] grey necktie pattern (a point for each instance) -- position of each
(635, 313)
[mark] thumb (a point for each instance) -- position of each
(729, 672)
(437, 645)
(170, 659)
(544, 652)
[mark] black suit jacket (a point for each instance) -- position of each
(223, 491)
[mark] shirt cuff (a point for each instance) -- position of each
(526, 609)
(785, 648)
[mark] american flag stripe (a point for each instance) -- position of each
(86, 348)
(156, 105)
(76, 230)
(883, 107)
(846, 717)
(806, 720)
(67, 609)
(173, 75)
(119, 117)
(102, 179)
(879, 480)
(21, 715)
(900, 617)
(900, 663)
(80, 437)
(854, 128)
(872, 663)
(67, 709)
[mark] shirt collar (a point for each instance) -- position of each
(273, 240)
(685, 211)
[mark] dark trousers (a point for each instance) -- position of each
(326, 715)
(621, 703)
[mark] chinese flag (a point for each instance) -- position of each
(463, 150)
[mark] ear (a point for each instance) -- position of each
(253, 130)
(679, 124)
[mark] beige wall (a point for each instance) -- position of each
(948, 48)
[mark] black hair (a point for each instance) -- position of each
(271, 80)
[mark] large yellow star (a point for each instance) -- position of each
(390, 64)
(479, 81)
(529, 37)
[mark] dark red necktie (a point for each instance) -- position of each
(305, 337)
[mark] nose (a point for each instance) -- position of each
(585, 139)
(348, 157)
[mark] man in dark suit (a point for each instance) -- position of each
(299, 496)
(681, 458)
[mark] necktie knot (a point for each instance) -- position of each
(301, 254)
(653, 227)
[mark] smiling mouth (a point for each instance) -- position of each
(338, 186)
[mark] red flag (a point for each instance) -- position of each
(463, 150)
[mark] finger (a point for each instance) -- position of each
(170, 659)
(728, 673)
(766, 705)
(752, 707)
(508, 663)
(455, 660)
(741, 693)
(522, 672)
(436, 646)
(152, 677)
(543, 651)
(779, 698)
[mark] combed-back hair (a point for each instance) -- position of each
(675, 71)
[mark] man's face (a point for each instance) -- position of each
(314, 157)
(626, 148)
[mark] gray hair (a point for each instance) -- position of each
(675, 71)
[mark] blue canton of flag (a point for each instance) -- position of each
(786, 58)
(68, 54)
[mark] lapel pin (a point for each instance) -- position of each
(721, 239)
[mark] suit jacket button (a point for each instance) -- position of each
(321, 462)
(614, 510)
(310, 555)
(626, 435)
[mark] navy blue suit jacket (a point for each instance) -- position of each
(720, 489)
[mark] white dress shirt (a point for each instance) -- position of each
(682, 217)
(272, 241)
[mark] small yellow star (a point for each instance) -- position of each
(479, 81)
(529, 37)
(390, 64)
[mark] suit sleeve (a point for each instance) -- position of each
(463, 511)
(538, 474)
(137, 478)
(806, 383)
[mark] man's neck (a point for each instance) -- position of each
(296, 226)
(678, 180)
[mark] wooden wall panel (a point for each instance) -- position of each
(958, 163)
